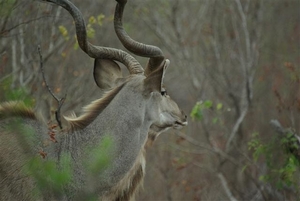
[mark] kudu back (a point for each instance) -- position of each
(134, 109)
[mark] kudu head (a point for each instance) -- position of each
(148, 83)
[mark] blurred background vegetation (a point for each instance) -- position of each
(235, 66)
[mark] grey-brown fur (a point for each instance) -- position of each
(92, 110)
(15, 108)
(16, 150)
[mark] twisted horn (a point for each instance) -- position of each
(155, 55)
(93, 51)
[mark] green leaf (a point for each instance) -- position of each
(99, 156)
(7, 7)
(208, 104)
(90, 31)
(14, 94)
(244, 168)
(264, 178)
(215, 120)
(92, 20)
(76, 45)
(196, 112)
(100, 19)
(64, 32)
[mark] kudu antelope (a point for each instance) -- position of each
(135, 109)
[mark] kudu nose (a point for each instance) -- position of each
(184, 115)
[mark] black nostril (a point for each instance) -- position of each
(183, 113)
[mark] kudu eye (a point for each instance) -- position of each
(163, 92)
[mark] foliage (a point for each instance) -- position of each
(99, 156)
(6, 7)
(283, 165)
(98, 20)
(64, 32)
(14, 94)
(46, 174)
(200, 107)
(53, 177)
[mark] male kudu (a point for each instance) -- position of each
(135, 109)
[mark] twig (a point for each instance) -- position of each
(236, 127)
(284, 132)
(226, 187)
(277, 126)
(4, 31)
(60, 101)
(279, 129)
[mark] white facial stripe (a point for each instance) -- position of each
(164, 117)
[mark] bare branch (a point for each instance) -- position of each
(236, 127)
(5, 31)
(14, 61)
(53, 29)
(245, 29)
(285, 132)
(226, 187)
(279, 129)
(60, 101)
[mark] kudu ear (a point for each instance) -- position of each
(106, 73)
(154, 80)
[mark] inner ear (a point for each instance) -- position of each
(165, 66)
(106, 73)
(154, 81)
